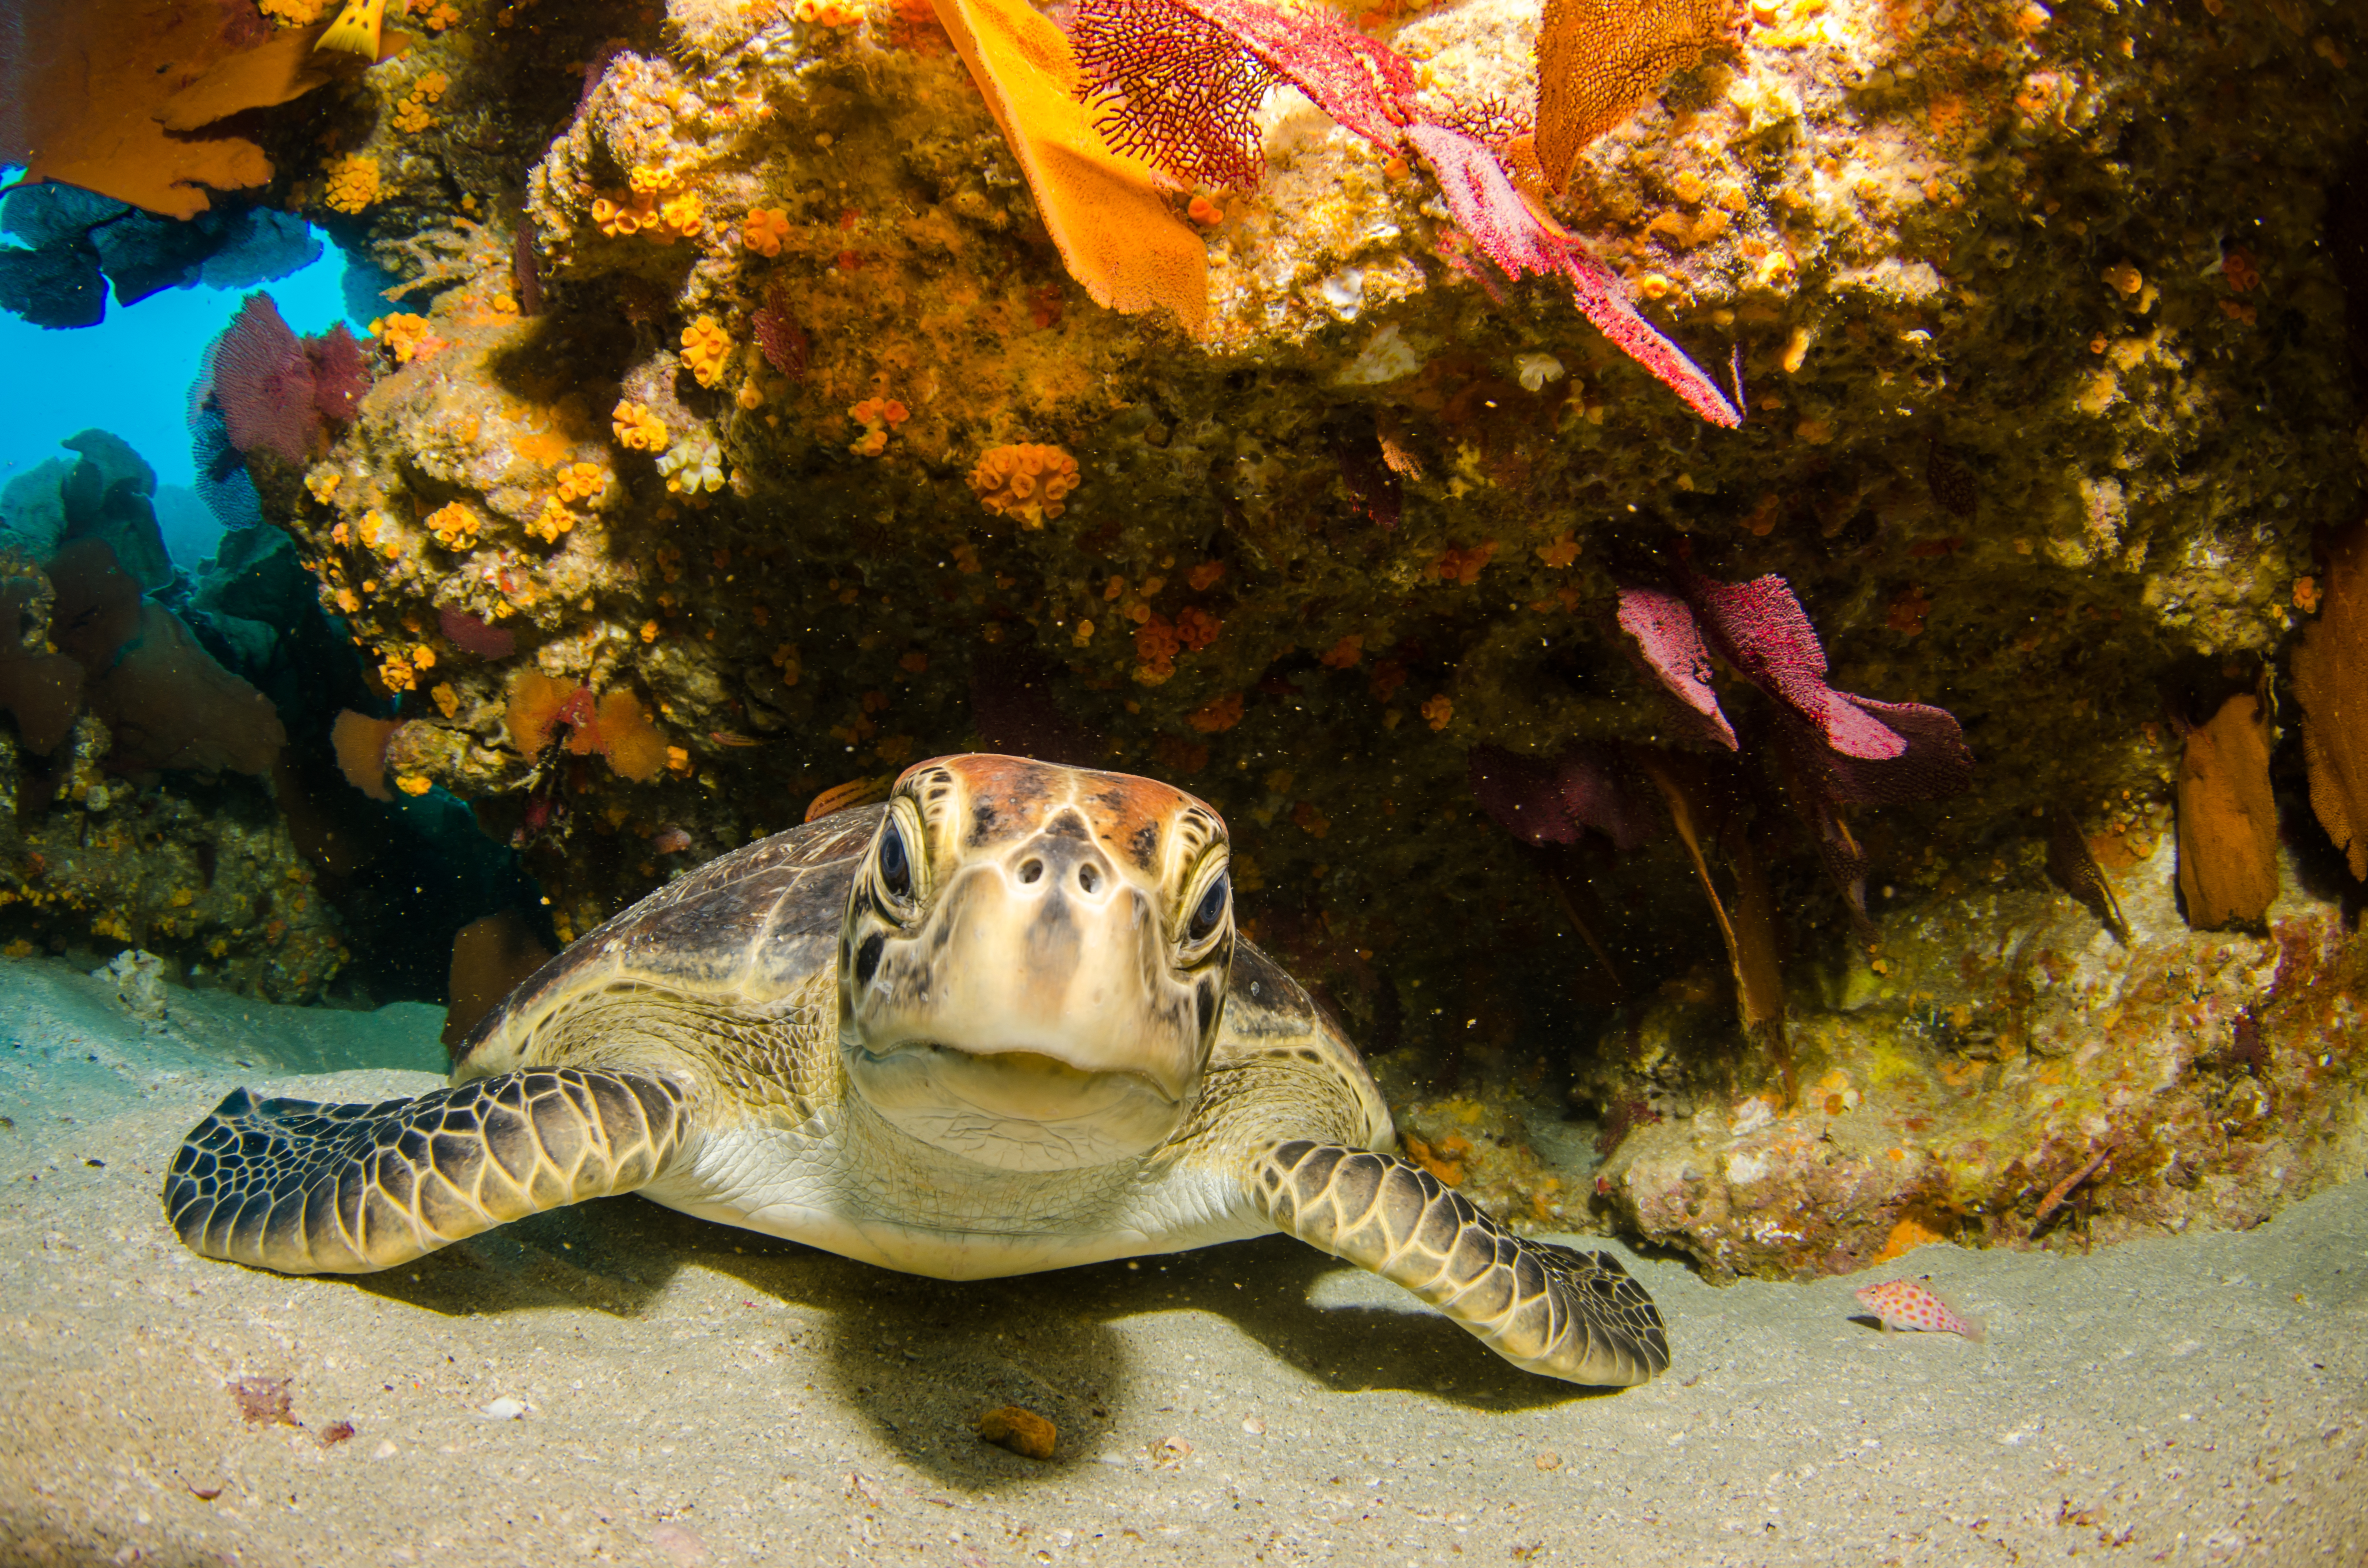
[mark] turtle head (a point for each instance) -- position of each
(1034, 960)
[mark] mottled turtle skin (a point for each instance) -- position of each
(990, 1028)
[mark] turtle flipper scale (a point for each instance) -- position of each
(1544, 1308)
(304, 1187)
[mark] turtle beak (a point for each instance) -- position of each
(1039, 989)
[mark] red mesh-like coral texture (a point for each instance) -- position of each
(263, 381)
(340, 374)
(1360, 82)
(781, 340)
(1173, 88)
(1488, 207)
(1853, 748)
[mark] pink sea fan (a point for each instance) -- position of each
(1489, 207)
(1671, 645)
(472, 634)
(1762, 631)
(1933, 762)
(1170, 91)
(1360, 82)
(275, 390)
(263, 379)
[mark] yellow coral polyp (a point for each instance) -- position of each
(411, 116)
(455, 525)
(396, 673)
(648, 180)
(582, 481)
(764, 229)
(705, 346)
(827, 13)
(638, 429)
(683, 215)
(619, 222)
(407, 335)
(353, 183)
(1028, 482)
(552, 521)
(877, 415)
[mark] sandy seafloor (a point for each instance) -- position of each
(693, 1394)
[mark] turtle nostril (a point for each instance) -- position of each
(1031, 871)
(1088, 879)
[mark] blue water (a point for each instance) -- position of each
(130, 374)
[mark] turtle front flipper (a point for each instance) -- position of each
(1572, 1316)
(310, 1189)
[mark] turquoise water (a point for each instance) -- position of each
(130, 375)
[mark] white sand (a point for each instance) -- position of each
(693, 1394)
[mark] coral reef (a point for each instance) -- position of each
(1356, 499)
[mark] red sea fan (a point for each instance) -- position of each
(1854, 747)
(1175, 89)
(1171, 91)
(781, 340)
(340, 374)
(1488, 208)
(1763, 631)
(1556, 802)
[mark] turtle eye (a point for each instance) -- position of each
(1210, 911)
(895, 867)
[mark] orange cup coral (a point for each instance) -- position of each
(1028, 483)
(638, 429)
(764, 229)
(705, 347)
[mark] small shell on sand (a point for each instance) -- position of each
(1024, 1432)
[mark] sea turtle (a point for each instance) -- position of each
(999, 1024)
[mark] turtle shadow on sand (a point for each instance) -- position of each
(922, 1359)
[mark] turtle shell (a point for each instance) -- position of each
(752, 926)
